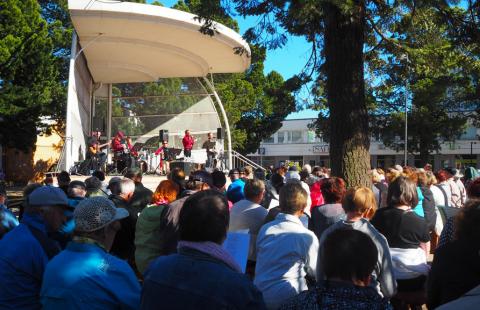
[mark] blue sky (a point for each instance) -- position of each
(288, 60)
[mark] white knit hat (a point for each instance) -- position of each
(94, 213)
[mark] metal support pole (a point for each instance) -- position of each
(70, 96)
(406, 124)
(225, 120)
(109, 115)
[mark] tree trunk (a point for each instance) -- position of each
(349, 134)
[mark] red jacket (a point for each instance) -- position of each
(188, 142)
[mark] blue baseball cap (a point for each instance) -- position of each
(48, 196)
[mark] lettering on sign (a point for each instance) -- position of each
(323, 148)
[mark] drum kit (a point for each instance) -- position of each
(148, 162)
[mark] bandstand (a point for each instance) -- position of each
(142, 68)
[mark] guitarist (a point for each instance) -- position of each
(210, 147)
(95, 150)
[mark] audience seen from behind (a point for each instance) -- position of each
(349, 257)
(455, 268)
(148, 228)
(448, 232)
(286, 250)
(84, 275)
(360, 205)
(95, 187)
(235, 189)
(26, 250)
(198, 181)
(202, 275)
(365, 246)
(407, 235)
(123, 244)
(333, 190)
(142, 196)
(248, 214)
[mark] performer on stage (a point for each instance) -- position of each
(95, 151)
(210, 147)
(122, 148)
(165, 157)
(188, 142)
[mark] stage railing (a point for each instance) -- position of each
(241, 161)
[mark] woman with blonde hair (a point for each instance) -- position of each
(360, 205)
(147, 232)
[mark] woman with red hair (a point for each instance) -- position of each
(333, 189)
(147, 233)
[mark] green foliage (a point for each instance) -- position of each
(255, 104)
(442, 79)
(30, 84)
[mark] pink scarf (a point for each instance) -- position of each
(212, 249)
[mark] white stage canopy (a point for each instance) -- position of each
(122, 42)
(127, 42)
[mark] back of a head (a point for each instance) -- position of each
(248, 171)
(126, 186)
(277, 181)
(307, 168)
(63, 178)
(402, 191)
(376, 176)
(177, 175)
(93, 184)
(218, 178)
(467, 226)
(333, 190)
(166, 192)
(99, 174)
(253, 189)
(260, 174)
(423, 179)
(134, 174)
(359, 200)
(293, 198)
(348, 255)
(473, 189)
(77, 188)
(204, 217)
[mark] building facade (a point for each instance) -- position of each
(296, 144)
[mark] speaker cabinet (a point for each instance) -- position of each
(163, 135)
(98, 124)
(187, 167)
(220, 133)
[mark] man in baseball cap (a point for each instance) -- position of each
(26, 250)
(85, 268)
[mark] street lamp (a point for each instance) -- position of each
(405, 57)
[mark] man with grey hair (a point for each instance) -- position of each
(26, 250)
(248, 214)
(123, 245)
(84, 275)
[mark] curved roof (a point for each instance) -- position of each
(126, 42)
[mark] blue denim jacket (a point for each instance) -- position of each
(195, 280)
(84, 276)
(22, 263)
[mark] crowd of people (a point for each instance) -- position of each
(315, 243)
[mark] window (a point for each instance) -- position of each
(268, 140)
(281, 137)
(296, 136)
